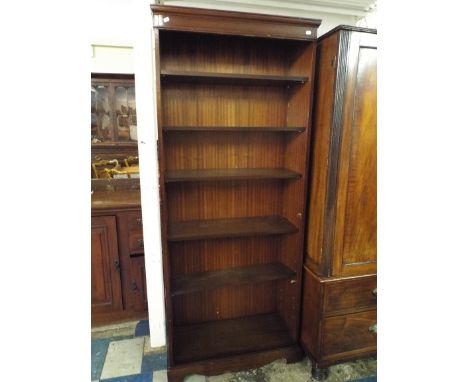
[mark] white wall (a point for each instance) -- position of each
(112, 59)
(122, 42)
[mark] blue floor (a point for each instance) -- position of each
(147, 365)
(150, 362)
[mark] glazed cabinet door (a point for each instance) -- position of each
(356, 218)
(106, 294)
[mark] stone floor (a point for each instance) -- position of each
(122, 353)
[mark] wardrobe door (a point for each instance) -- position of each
(356, 218)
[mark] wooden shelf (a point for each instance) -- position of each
(230, 277)
(229, 174)
(224, 338)
(232, 78)
(237, 227)
(253, 129)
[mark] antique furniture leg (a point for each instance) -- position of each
(319, 373)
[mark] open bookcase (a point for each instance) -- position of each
(233, 101)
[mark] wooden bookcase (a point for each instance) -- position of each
(234, 109)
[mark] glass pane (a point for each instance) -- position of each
(93, 99)
(93, 113)
(121, 112)
(101, 114)
(132, 113)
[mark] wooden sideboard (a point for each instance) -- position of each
(339, 318)
(118, 283)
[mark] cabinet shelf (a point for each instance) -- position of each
(237, 227)
(254, 129)
(224, 338)
(230, 78)
(230, 277)
(229, 174)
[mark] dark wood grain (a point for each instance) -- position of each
(127, 222)
(199, 256)
(320, 158)
(224, 150)
(190, 257)
(230, 174)
(219, 115)
(244, 129)
(130, 232)
(226, 303)
(138, 283)
(349, 332)
(190, 52)
(161, 148)
(311, 315)
(239, 227)
(342, 223)
(106, 291)
(115, 199)
(204, 104)
(336, 317)
(350, 295)
(356, 222)
(234, 23)
(230, 337)
(230, 78)
(343, 27)
(294, 193)
(230, 277)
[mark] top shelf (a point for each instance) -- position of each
(258, 79)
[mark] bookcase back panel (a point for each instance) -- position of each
(211, 255)
(207, 150)
(199, 52)
(188, 104)
(225, 303)
(218, 200)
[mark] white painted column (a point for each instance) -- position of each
(149, 180)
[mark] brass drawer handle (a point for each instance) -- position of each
(373, 329)
(374, 292)
(141, 243)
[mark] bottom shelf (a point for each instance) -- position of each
(225, 338)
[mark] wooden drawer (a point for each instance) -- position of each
(350, 332)
(349, 296)
(135, 243)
